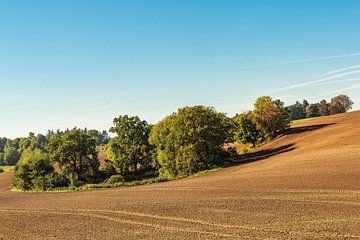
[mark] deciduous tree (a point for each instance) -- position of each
(130, 149)
(270, 116)
(75, 153)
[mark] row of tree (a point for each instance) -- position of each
(338, 104)
(185, 142)
(12, 150)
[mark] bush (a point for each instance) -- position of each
(245, 129)
(36, 175)
(107, 170)
(115, 179)
(1, 170)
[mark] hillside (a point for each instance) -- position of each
(304, 185)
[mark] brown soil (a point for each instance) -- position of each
(304, 185)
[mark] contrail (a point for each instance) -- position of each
(306, 60)
(356, 86)
(325, 77)
(343, 69)
(338, 81)
(319, 80)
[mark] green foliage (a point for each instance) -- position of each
(36, 174)
(130, 149)
(75, 153)
(271, 116)
(297, 111)
(338, 104)
(115, 179)
(246, 130)
(101, 138)
(313, 110)
(7, 168)
(11, 155)
(324, 108)
(107, 170)
(190, 140)
(30, 154)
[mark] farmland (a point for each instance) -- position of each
(304, 184)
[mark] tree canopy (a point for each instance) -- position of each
(271, 116)
(190, 140)
(130, 149)
(75, 153)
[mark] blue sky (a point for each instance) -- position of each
(81, 63)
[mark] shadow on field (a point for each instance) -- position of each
(263, 154)
(297, 130)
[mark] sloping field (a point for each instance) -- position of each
(305, 185)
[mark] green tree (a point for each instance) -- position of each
(11, 155)
(190, 140)
(271, 116)
(296, 111)
(324, 108)
(313, 110)
(32, 155)
(130, 149)
(75, 153)
(245, 129)
(36, 174)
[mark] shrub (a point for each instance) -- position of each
(36, 175)
(245, 129)
(115, 179)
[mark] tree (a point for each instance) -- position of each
(30, 154)
(324, 108)
(102, 138)
(39, 142)
(270, 116)
(2, 144)
(130, 149)
(313, 110)
(11, 155)
(296, 111)
(190, 140)
(75, 153)
(340, 104)
(245, 129)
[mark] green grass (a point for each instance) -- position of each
(303, 120)
(7, 168)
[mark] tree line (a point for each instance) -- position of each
(338, 104)
(190, 140)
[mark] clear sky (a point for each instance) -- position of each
(66, 63)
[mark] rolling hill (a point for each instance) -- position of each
(304, 185)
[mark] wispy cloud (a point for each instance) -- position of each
(339, 81)
(303, 60)
(318, 79)
(90, 111)
(343, 90)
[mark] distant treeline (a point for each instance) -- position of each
(338, 104)
(190, 140)
(12, 149)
